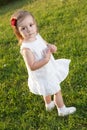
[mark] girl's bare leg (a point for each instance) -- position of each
(58, 99)
(48, 103)
(47, 99)
(62, 109)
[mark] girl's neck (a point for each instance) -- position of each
(30, 39)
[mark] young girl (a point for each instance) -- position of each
(45, 73)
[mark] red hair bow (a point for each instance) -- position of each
(14, 22)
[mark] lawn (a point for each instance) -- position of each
(61, 23)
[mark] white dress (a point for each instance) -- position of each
(46, 80)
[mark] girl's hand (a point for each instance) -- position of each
(52, 48)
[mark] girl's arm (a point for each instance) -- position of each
(30, 59)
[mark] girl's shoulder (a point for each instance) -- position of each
(39, 37)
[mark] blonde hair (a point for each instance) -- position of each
(19, 16)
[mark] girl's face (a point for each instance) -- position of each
(27, 28)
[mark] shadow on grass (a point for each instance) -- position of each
(14, 5)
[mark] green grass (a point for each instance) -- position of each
(62, 23)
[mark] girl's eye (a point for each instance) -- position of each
(31, 25)
(23, 28)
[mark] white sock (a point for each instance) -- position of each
(61, 108)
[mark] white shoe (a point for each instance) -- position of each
(50, 106)
(66, 111)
